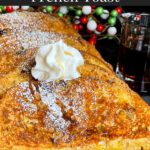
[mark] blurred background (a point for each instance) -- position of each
(109, 48)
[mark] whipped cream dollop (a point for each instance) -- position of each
(57, 61)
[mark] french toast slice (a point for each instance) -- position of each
(80, 114)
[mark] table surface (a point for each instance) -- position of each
(147, 99)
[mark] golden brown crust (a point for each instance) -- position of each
(119, 144)
(95, 111)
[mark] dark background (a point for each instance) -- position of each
(109, 48)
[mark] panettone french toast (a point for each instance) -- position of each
(22, 32)
(96, 111)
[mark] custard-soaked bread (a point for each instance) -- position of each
(95, 111)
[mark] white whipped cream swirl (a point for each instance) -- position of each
(57, 61)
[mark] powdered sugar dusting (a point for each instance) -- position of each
(56, 101)
(26, 91)
(37, 39)
(55, 114)
(25, 98)
(24, 31)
